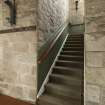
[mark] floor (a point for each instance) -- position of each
(5, 100)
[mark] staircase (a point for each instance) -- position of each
(65, 86)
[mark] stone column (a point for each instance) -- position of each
(95, 52)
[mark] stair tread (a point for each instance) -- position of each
(65, 46)
(75, 41)
(75, 36)
(74, 44)
(69, 61)
(70, 43)
(65, 77)
(74, 47)
(64, 88)
(79, 34)
(64, 91)
(52, 100)
(78, 37)
(67, 68)
(72, 51)
(71, 56)
(68, 71)
(79, 48)
(71, 71)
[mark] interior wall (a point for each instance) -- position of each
(95, 52)
(51, 15)
(26, 14)
(18, 52)
(76, 17)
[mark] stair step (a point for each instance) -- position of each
(65, 80)
(76, 47)
(73, 48)
(74, 64)
(71, 58)
(73, 45)
(75, 36)
(63, 91)
(74, 42)
(47, 99)
(74, 39)
(67, 71)
(72, 53)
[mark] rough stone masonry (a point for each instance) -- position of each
(51, 15)
(18, 52)
(95, 52)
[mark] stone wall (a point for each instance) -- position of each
(51, 15)
(18, 52)
(95, 52)
(26, 14)
(76, 17)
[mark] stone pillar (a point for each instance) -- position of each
(76, 17)
(95, 52)
(18, 52)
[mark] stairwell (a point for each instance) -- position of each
(65, 85)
